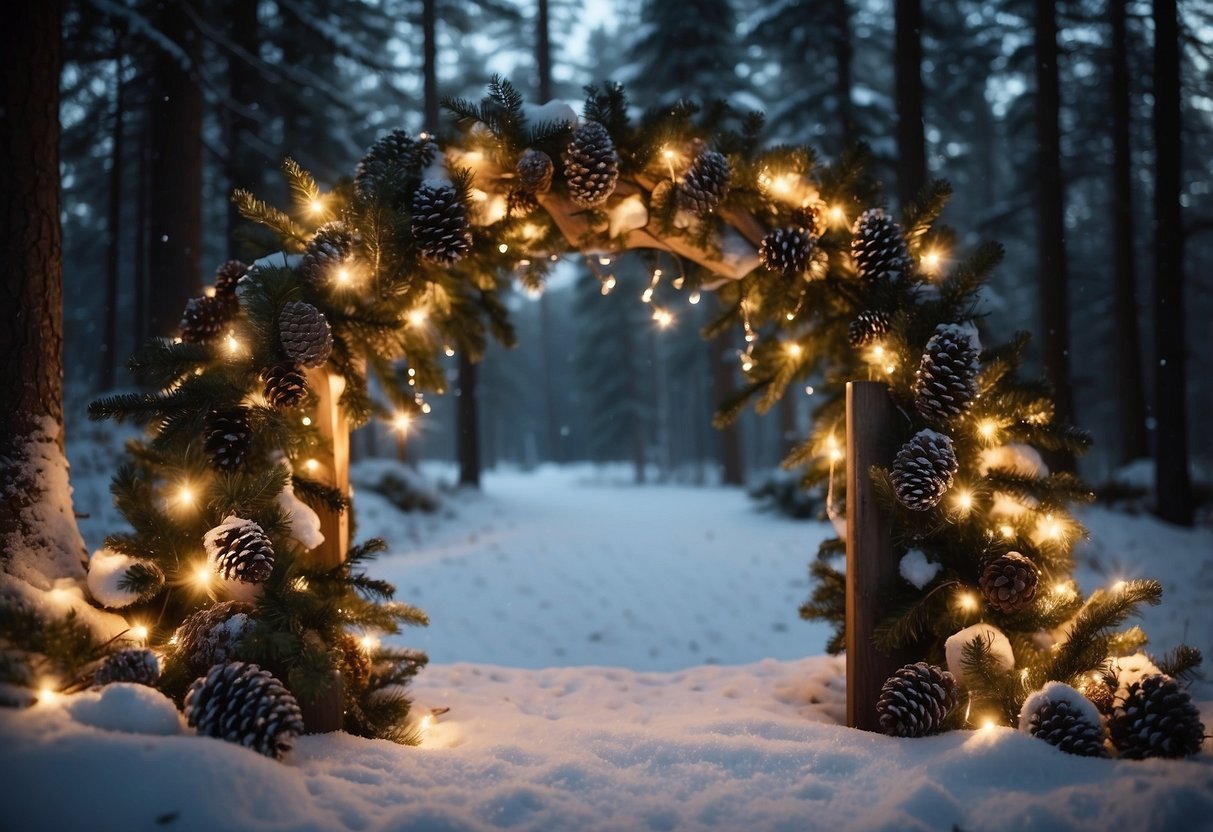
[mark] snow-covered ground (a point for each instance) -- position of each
(622, 658)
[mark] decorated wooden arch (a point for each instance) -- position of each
(407, 261)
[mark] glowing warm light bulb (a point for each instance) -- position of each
(425, 408)
(233, 346)
(401, 423)
(503, 248)
(369, 643)
(808, 390)
(185, 496)
(139, 632)
(967, 601)
(1119, 586)
(878, 351)
(317, 206)
(964, 501)
(794, 349)
(663, 317)
(300, 584)
(1006, 531)
(307, 420)
(931, 260)
(1061, 588)
(312, 465)
(890, 368)
(1050, 527)
(668, 155)
(694, 298)
(449, 351)
(426, 722)
(837, 215)
(417, 316)
(47, 695)
(343, 276)
(987, 724)
(202, 576)
(988, 429)
(791, 316)
(604, 261)
(746, 365)
(784, 184)
(647, 296)
(608, 284)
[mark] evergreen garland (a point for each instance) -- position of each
(393, 300)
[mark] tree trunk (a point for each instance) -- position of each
(467, 424)
(911, 145)
(113, 223)
(429, 28)
(543, 52)
(243, 165)
(1131, 405)
(176, 174)
(1054, 290)
(1174, 486)
(39, 540)
(720, 353)
(842, 81)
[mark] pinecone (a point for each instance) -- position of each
(520, 203)
(244, 704)
(1009, 582)
(1063, 724)
(923, 470)
(535, 171)
(228, 437)
(706, 183)
(811, 218)
(868, 328)
(389, 160)
(947, 375)
(1156, 719)
(305, 334)
(786, 250)
(916, 700)
(878, 246)
(591, 166)
(135, 664)
(440, 224)
(213, 635)
(226, 278)
(204, 319)
(328, 251)
(355, 663)
(1101, 693)
(285, 384)
(239, 550)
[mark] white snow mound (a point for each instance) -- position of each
(999, 647)
(126, 707)
(917, 570)
(106, 568)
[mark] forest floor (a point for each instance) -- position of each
(616, 657)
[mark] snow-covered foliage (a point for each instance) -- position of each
(1018, 458)
(106, 571)
(916, 569)
(305, 523)
(1000, 648)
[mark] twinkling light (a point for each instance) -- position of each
(47, 695)
(202, 576)
(369, 643)
(988, 429)
(837, 215)
(401, 423)
(139, 632)
(418, 316)
(1006, 531)
(233, 345)
(932, 258)
(693, 298)
(185, 496)
(794, 350)
(967, 601)
(1119, 586)
(608, 284)
(312, 465)
(663, 317)
(503, 248)
(344, 276)
(964, 501)
(307, 421)
(316, 205)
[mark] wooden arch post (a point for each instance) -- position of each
(324, 713)
(871, 564)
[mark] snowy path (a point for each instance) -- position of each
(562, 567)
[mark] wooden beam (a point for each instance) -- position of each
(871, 565)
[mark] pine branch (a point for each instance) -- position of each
(1182, 663)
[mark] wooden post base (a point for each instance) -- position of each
(324, 714)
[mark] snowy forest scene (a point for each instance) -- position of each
(447, 415)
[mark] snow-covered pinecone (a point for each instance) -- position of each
(213, 635)
(786, 250)
(305, 333)
(520, 203)
(923, 470)
(878, 246)
(591, 165)
(916, 700)
(204, 319)
(285, 384)
(1063, 724)
(1009, 582)
(868, 328)
(327, 251)
(239, 550)
(227, 276)
(946, 382)
(1156, 719)
(355, 663)
(535, 170)
(440, 224)
(705, 184)
(228, 437)
(389, 160)
(244, 704)
(135, 664)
